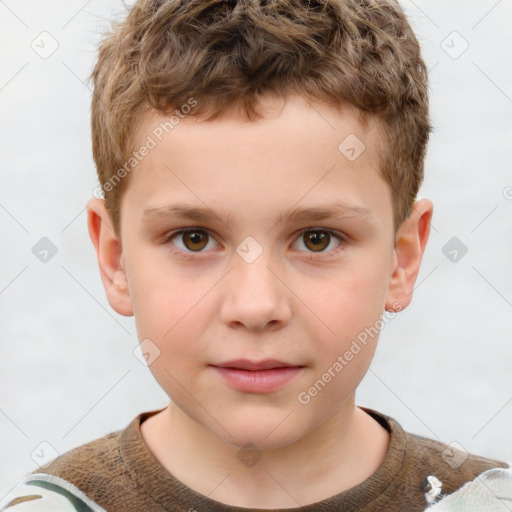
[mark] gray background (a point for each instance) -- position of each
(68, 373)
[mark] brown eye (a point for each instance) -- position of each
(190, 241)
(316, 240)
(195, 240)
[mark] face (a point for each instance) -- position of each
(259, 242)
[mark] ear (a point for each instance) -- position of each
(110, 258)
(410, 242)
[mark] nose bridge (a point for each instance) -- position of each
(252, 274)
(256, 295)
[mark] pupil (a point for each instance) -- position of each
(196, 239)
(318, 240)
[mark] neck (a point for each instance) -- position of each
(341, 453)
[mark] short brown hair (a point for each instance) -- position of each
(228, 52)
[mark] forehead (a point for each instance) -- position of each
(297, 150)
(285, 124)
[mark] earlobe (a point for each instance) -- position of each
(411, 240)
(110, 257)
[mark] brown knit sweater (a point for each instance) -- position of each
(120, 474)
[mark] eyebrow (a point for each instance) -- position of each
(296, 214)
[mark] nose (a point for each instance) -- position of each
(255, 296)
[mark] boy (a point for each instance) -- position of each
(286, 139)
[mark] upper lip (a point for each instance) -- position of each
(246, 364)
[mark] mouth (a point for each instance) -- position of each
(257, 376)
(246, 364)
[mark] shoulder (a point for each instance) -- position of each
(420, 455)
(97, 467)
(73, 481)
(490, 491)
(450, 462)
(99, 456)
(427, 470)
(444, 471)
(39, 492)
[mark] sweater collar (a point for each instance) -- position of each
(170, 492)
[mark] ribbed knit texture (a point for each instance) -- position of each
(120, 474)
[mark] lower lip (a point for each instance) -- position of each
(258, 381)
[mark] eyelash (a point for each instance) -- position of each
(309, 255)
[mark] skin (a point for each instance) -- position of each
(297, 302)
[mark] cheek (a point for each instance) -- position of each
(163, 300)
(348, 302)
(345, 350)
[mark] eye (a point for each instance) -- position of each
(318, 240)
(191, 240)
(198, 240)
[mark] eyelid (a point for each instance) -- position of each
(336, 234)
(323, 254)
(332, 232)
(168, 237)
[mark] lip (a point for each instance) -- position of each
(247, 364)
(257, 377)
